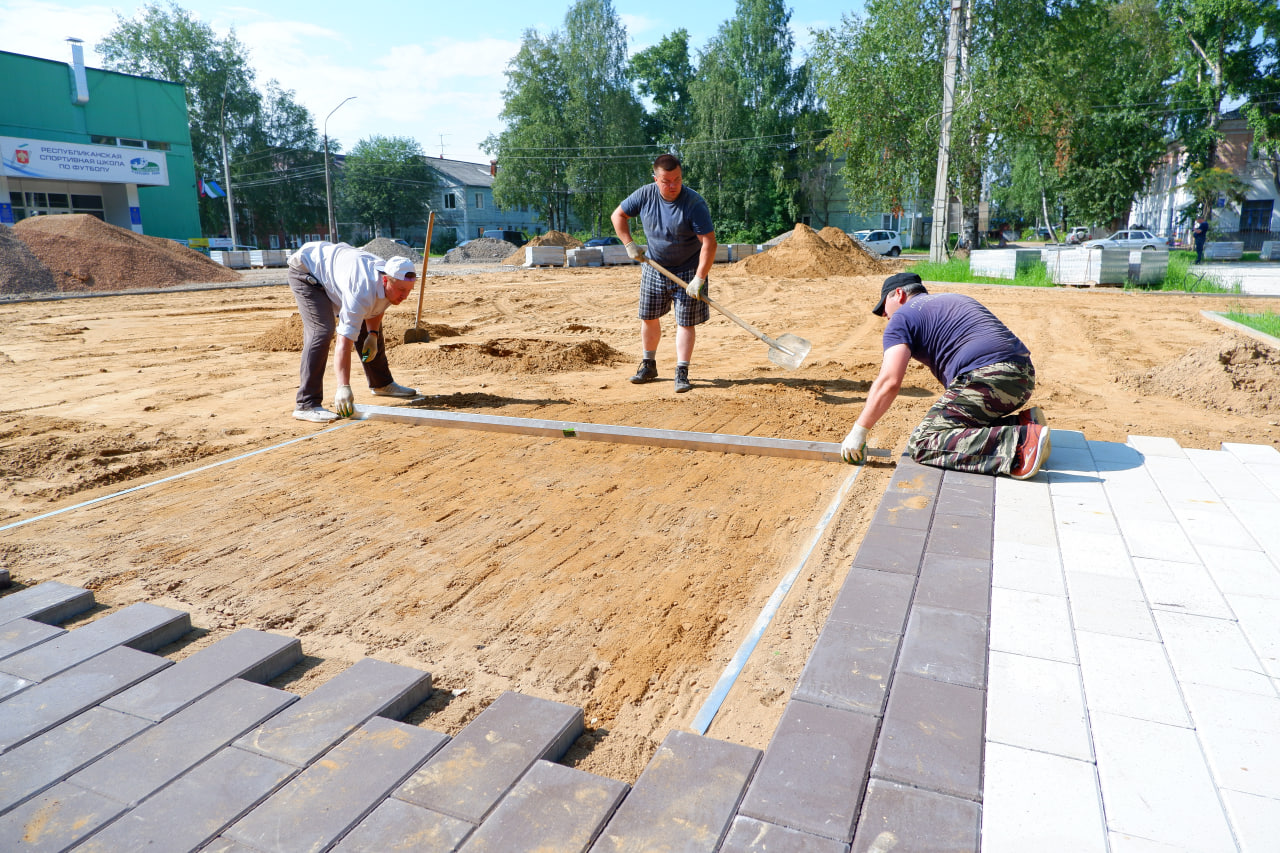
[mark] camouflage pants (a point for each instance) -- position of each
(973, 426)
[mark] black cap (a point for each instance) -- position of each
(892, 283)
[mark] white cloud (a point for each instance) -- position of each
(41, 29)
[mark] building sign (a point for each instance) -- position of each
(71, 161)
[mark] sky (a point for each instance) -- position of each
(433, 71)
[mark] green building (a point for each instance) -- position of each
(82, 140)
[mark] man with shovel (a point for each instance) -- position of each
(347, 290)
(987, 372)
(677, 224)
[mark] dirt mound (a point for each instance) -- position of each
(514, 355)
(388, 249)
(1232, 374)
(86, 254)
(479, 251)
(806, 255)
(551, 238)
(286, 336)
(21, 271)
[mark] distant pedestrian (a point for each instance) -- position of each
(1200, 234)
(346, 290)
(681, 237)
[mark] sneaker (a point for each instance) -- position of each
(1031, 453)
(682, 380)
(648, 371)
(316, 414)
(1033, 415)
(395, 389)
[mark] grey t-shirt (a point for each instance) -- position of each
(671, 227)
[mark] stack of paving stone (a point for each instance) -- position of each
(587, 256)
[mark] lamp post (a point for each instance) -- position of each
(328, 186)
(226, 174)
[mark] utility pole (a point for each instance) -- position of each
(938, 240)
(226, 174)
(328, 186)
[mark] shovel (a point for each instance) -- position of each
(418, 335)
(787, 351)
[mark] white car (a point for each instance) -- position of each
(883, 242)
(1144, 240)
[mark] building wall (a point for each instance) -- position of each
(37, 101)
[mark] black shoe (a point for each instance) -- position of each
(682, 380)
(647, 372)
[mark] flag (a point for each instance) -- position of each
(211, 189)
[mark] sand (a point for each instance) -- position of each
(617, 578)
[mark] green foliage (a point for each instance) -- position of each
(664, 73)
(385, 183)
(1206, 186)
(956, 271)
(1267, 322)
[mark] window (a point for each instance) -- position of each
(275, 241)
(102, 140)
(132, 143)
(91, 202)
(59, 200)
(1256, 215)
(157, 146)
(479, 201)
(450, 201)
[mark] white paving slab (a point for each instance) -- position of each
(1156, 784)
(1131, 678)
(1030, 568)
(1098, 553)
(1256, 454)
(1154, 445)
(1037, 704)
(1255, 819)
(1259, 518)
(1229, 477)
(1213, 652)
(1101, 604)
(1159, 540)
(1241, 571)
(1026, 623)
(1181, 587)
(1259, 620)
(1034, 801)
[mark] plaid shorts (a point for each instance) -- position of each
(657, 293)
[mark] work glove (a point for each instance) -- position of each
(369, 350)
(697, 288)
(344, 402)
(634, 252)
(854, 447)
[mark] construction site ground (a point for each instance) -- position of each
(617, 578)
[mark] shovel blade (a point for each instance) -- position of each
(416, 336)
(790, 351)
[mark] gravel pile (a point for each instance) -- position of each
(480, 251)
(20, 270)
(388, 249)
(86, 254)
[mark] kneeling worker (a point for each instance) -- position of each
(975, 426)
(347, 290)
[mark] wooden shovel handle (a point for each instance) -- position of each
(426, 259)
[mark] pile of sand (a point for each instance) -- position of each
(1231, 374)
(388, 249)
(286, 336)
(512, 355)
(21, 271)
(485, 249)
(805, 254)
(551, 238)
(86, 254)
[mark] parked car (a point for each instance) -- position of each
(1133, 239)
(884, 242)
(516, 238)
(603, 241)
(1078, 235)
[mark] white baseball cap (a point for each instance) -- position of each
(399, 267)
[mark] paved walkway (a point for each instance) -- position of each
(1135, 651)
(1256, 278)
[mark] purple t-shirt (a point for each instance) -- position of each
(671, 227)
(951, 334)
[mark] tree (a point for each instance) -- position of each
(385, 182)
(1209, 185)
(663, 72)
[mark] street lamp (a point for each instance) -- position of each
(328, 187)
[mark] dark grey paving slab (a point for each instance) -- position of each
(11, 684)
(400, 827)
(898, 817)
(43, 761)
(906, 506)
(910, 475)
(748, 835)
(813, 773)
(968, 480)
(5, 581)
(225, 845)
(874, 599)
(969, 500)
(850, 667)
(21, 634)
(932, 736)
(167, 750)
(956, 583)
(247, 654)
(552, 808)
(322, 803)
(45, 705)
(946, 645)
(141, 626)
(685, 798)
(369, 688)
(51, 602)
(961, 536)
(468, 777)
(56, 820)
(890, 549)
(195, 808)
